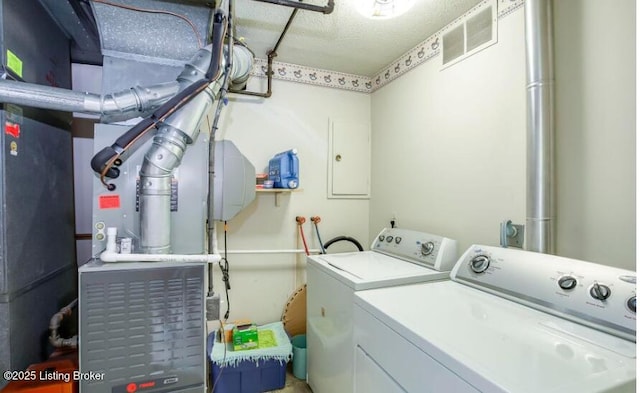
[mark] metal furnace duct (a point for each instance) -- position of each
(541, 204)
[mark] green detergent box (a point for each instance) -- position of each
(245, 337)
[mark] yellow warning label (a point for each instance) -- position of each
(13, 148)
(14, 63)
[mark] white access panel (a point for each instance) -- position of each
(349, 159)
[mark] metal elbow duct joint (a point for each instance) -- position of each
(242, 63)
(139, 101)
(174, 135)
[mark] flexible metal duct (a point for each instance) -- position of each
(541, 205)
(134, 102)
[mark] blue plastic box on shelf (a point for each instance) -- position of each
(255, 371)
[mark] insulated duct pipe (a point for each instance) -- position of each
(541, 206)
(127, 104)
(54, 325)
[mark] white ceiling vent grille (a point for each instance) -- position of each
(471, 34)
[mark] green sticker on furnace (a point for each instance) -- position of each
(14, 63)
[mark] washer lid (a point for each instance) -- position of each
(368, 269)
(498, 345)
(373, 266)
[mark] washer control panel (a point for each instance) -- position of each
(435, 251)
(600, 296)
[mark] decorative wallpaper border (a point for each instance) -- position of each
(313, 76)
(505, 7)
(426, 50)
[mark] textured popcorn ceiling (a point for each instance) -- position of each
(344, 40)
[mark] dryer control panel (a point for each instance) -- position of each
(598, 296)
(437, 252)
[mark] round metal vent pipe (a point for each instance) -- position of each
(541, 203)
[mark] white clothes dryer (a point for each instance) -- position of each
(397, 257)
(508, 321)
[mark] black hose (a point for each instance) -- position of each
(344, 238)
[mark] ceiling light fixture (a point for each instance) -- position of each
(383, 9)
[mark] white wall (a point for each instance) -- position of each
(448, 154)
(297, 116)
(449, 146)
(595, 54)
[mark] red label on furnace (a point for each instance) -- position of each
(109, 201)
(12, 129)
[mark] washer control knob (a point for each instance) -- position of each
(631, 304)
(398, 239)
(567, 283)
(389, 239)
(426, 248)
(480, 263)
(381, 238)
(599, 291)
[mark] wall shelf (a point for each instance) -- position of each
(276, 192)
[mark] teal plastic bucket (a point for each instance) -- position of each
(299, 344)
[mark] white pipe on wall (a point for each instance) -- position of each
(111, 255)
(291, 251)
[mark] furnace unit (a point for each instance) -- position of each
(37, 252)
(142, 327)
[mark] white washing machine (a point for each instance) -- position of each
(397, 257)
(508, 321)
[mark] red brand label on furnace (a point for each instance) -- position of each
(12, 129)
(109, 201)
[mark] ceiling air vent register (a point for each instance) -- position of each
(472, 34)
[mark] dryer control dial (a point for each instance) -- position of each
(631, 304)
(480, 263)
(567, 283)
(426, 248)
(600, 291)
